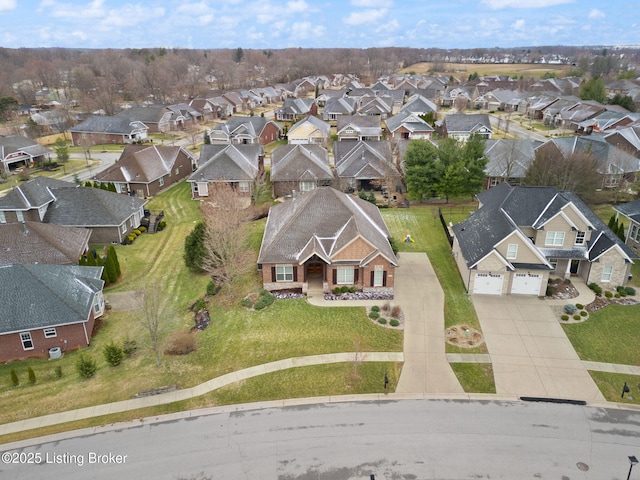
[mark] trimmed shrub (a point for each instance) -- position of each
(58, 371)
(211, 288)
(608, 294)
(86, 366)
(142, 228)
(161, 226)
(265, 300)
(619, 289)
(199, 304)
(32, 375)
(382, 321)
(630, 291)
(337, 291)
(570, 309)
(579, 306)
(181, 343)
(567, 281)
(617, 295)
(375, 308)
(394, 322)
(246, 303)
(131, 238)
(137, 232)
(15, 381)
(565, 317)
(583, 313)
(344, 289)
(129, 347)
(549, 291)
(113, 354)
(576, 317)
(596, 288)
(374, 315)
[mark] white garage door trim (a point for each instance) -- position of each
(488, 284)
(526, 283)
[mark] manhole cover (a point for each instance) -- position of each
(582, 466)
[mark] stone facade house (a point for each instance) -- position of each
(521, 235)
(325, 239)
(631, 212)
(245, 130)
(99, 130)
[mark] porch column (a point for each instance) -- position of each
(567, 273)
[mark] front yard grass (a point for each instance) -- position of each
(475, 377)
(310, 381)
(610, 335)
(237, 338)
(611, 384)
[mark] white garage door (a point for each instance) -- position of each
(526, 283)
(488, 284)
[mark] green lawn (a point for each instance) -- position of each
(611, 385)
(424, 226)
(610, 335)
(236, 339)
(475, 377)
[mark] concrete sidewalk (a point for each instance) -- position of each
(187, 393)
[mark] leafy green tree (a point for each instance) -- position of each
(627, 75)
(110, 271)
(421, 169)
(194, 250)
(613, 223)
(8, 105)
(594, 89)
(473, 76)
(475, 163)
(61, 149)
(207, 138)
(238, 55)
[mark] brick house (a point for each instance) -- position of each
(521, 235)
(245, 130)
(99, 130)
(47, 306)
(147, 170)
(326, 238)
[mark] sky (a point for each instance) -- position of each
(276, 24)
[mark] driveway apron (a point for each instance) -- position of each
(530, 352)
(418, 292)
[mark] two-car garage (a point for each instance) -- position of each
(521, 284)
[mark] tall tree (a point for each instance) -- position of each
(594, 89)
(577, 172)
(154, 318)
(61, 149)
(421, 169)
(194, 251)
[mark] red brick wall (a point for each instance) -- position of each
(11, 345)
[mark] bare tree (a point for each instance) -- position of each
(226, 220)
(577, 172)
(154, 318)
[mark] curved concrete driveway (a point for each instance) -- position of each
(418, 291)
(530, 352)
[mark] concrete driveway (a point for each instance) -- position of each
(418, 291)
(530, 352)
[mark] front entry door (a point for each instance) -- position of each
(574, 267)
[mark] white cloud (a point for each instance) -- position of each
(264, 17)
(131, 15)
(297, 6)
(93, 9)
(306, 30)
(365, 16)
(499, 4)
(371, 3)
(7, 5)
(518, 24)
(595, 13)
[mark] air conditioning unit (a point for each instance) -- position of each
(55, 353)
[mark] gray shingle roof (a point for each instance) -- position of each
(91, 207)
(32, 194)
(292, 162)
(365, 125)
(38, 296)
(14, 143)
(151, 114)
(509, 157)
(460, 122)
(322, 126)
(409, 120)
(252, 125)
(321, 222)
(231, 163)
(115, 125)
(364, 159)
(33, 242)
(631, 210)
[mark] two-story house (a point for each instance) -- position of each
(521, 235)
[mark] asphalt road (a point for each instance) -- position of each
(404, 439)
(515, 128)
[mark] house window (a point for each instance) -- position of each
(512, 251)
(306, 186)
(344, 275)
(243, 187)
(20, 216)
(49, 332)
(378, 278)
(177, 171)
(123, 228)
(554, 238)
(580, 237)
(554, 263)
(634, 234)
(161, 181)
(27, 343)
(3, 219)
(607, 271)
(284, 273)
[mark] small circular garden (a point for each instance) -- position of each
(386, 316)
